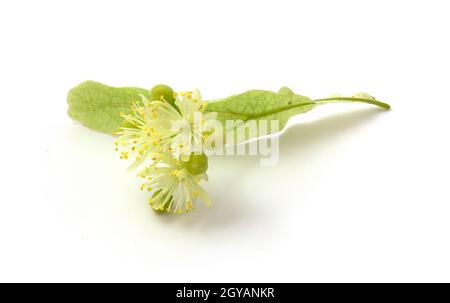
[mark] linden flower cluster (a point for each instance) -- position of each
(162, 133)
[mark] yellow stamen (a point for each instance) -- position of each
(124, 155)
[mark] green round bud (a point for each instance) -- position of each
(162, 92)
(197, 164)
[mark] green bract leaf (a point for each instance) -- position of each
(258, 105)
(99, 107)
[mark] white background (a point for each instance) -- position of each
(359, 194)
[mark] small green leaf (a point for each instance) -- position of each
(99, 107)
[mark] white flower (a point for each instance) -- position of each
(157, 126)
(187, 131)
(174, 187)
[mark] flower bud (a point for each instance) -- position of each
(197, 164)
(163, 92)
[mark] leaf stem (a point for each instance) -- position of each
(352, 99)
